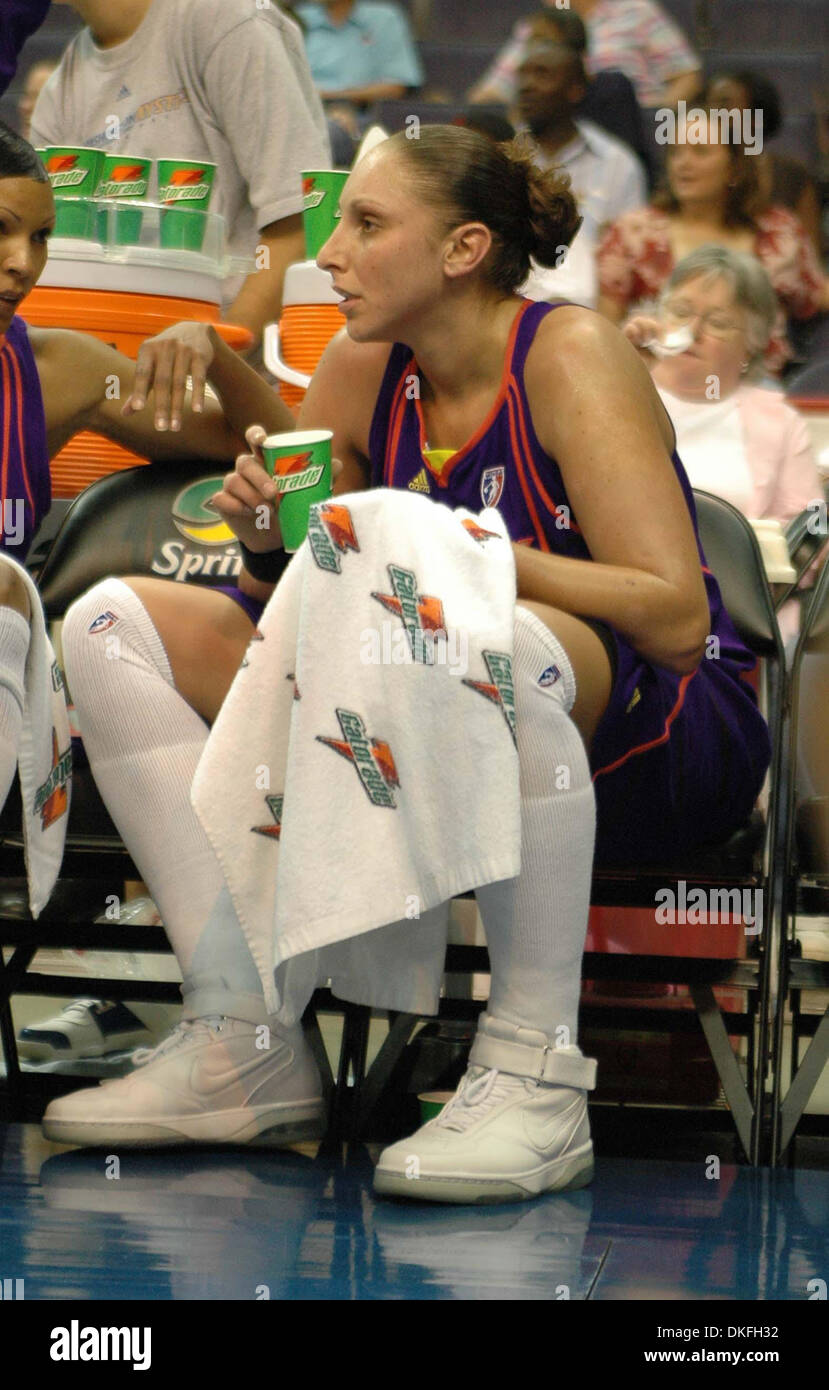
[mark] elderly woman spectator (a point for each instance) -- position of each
(712, 195)
(735, 438)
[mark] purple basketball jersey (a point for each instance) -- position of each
(25, 481)
(689, 751)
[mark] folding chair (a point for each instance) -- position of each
(145, 520)
(806, 882)
(747, 861)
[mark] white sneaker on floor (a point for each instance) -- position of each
(504, 1136)
(207, 1083)
(85, 1028)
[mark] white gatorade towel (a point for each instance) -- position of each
(45, 758)
(363, 768)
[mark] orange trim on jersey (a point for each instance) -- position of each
(654, 742)
(552, 507)
(7, 416)
(396, 416)
(503, 390)
(543, 543)
(15, 367)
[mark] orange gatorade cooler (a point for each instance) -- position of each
(122, 295)
(310, 318)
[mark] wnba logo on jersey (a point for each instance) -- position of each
(492, 485)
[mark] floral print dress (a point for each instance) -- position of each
(635, 260)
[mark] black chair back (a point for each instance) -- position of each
(735, 560)
(146, 520)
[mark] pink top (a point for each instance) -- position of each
(635, 260)
(779, 454)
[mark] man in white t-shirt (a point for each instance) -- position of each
(607, 179)
(225, 82)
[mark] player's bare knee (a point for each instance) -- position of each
(13, 591)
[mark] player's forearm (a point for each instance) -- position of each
(665, 624)
(246, 397)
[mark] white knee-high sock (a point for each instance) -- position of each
(144, 742)
(14, 646)
(536, 924)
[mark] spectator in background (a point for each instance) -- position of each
(189, 79)
(607, 179)
(712, 195)
(18, 20)
(739, 440)
(784, 181)
(609, 98)
(36, 79)
(360, 52)
(635, 36)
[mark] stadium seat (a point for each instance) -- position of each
(806, 881)
(810, 382)
(773, 26)
(453, 68)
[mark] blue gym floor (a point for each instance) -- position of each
(241, 1224)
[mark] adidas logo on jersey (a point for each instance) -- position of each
(420, 483)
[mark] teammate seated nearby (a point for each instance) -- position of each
(54, 383)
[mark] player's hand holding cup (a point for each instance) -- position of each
(249, 500)
(267, 499)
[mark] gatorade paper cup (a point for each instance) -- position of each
(431, 1104)
(185, 184)
(124, 177)
(74, 173)
(321, 189)
(300, 465)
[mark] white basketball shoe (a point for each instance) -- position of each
(212, 1081)
(517, 1126)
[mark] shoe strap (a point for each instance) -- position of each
(541, 1063)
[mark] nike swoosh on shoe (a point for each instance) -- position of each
(561, 1126)
(205, 1083)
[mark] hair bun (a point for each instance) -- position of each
(554, 217)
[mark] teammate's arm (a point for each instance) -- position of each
(85, 384)
(595, 411)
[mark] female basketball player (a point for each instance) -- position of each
(546, 412)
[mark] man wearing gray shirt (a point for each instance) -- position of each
(193, 79)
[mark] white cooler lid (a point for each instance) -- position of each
(87, 265)
(305, 283)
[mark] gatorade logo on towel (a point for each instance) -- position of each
(372, 758)
(330, 534)
(51, 798)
